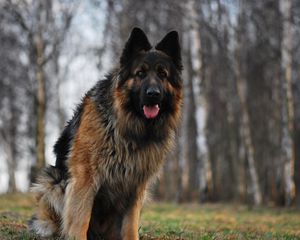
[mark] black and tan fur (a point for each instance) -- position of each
(109, 152)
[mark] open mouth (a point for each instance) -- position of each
(151, 112)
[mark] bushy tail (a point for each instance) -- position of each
(49, 192)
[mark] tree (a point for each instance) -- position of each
(287, 142)
(245, 119)
(13, 96)
(44, 32)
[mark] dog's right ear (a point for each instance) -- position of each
(136, 42)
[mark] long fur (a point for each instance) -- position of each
(109, 152)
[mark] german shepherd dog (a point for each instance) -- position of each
(113, 146)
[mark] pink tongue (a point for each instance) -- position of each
(151, 111)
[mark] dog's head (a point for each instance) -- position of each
(150, 86)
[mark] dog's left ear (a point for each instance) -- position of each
(136, 42)
(170, 46)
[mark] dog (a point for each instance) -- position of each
(113, 147)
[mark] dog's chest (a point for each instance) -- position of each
(126, 168)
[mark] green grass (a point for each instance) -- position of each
(219, 222)
(171, 221)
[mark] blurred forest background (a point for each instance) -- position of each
(239, 139)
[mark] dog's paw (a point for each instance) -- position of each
(41, 227)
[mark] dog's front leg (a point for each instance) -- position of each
(78, 208)
(130, 224)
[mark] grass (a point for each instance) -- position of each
(219, 222)
(171, 221)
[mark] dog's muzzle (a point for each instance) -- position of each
(152, 98)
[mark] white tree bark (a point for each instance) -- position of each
(196, 51)
(287, 110)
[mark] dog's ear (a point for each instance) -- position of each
(170, 46)
(136, 42)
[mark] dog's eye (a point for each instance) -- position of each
(162, 74)
(141, 74)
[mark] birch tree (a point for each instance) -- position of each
(193, 20)
(44, 37)
(245, 120)
(13, 98)
(287, 110)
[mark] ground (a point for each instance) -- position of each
(172, 221)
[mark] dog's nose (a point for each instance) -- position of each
(153, 91)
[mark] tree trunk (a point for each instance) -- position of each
(247, 138)
(12, 188)
(11, 135)
(245, 120)
(297, 141)
(297, 162)
(192, 154)
(190, 169)
(196, 63)
(8, 146)
(246, 134)
(59, 79)
(188, 141)
(41, 105)
(287, 104)
(183, 142)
